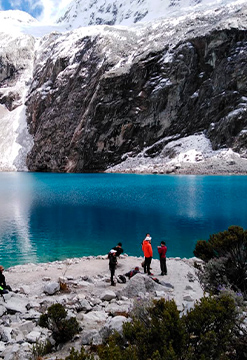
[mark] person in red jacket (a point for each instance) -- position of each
(148, 253)
(162, 249)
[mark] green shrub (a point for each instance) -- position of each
(76, 355)
(63, 329)
(44, 320)
(210, 331)
(204, 250)
(39, 349)
(213, 276)
(209, 327)
(160, 330)
(226, 257)
(56, 312)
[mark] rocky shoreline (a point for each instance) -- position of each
(236, 166)
(87, 295)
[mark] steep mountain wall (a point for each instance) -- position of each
(16, 61)
(118, 91)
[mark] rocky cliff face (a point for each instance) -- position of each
(115, 92)
(16, 60)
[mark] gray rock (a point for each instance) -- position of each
(3, 310)
(51, 288)
(188, 287)
(12, 352)
(84, 305)
(108, 295)
(33, 336)
(16, 303)
(5, 298)
(140, 284)
(95, 301)
(191, 277)
(160, 294)
(24, 289)
(94, 319)
(113, 324)
(6, 334)
(26, 327)
(116, 309)
(2, 346)
(31, 315)
(46, 278)
(89, 337)
(188, 298)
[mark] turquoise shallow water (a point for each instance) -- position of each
(46, 217)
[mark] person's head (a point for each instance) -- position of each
(119, 244)
(1, 268)
(148, 237)
(136, 268)
(162, 243)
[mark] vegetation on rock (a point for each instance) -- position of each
(63, 329)
(225, 254)
(211, 330)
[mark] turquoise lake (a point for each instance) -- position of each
(46, 217)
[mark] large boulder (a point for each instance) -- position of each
(16, 303)
(94, 319)
(52, 288)
(141, 284)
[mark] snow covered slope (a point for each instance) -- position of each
(129, 12)
(16, 64)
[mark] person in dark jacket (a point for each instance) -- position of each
(3, 286)
(133, 272)
(162, 249)
(112, 264)
(118, 249)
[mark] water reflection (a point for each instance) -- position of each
(15, 206)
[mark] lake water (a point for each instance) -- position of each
(46, 217)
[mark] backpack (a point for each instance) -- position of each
(121, 279)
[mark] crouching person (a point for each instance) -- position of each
(4, 289)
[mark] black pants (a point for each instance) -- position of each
(147, 264)
(4, 291)
(112, 270)
(163, 266)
